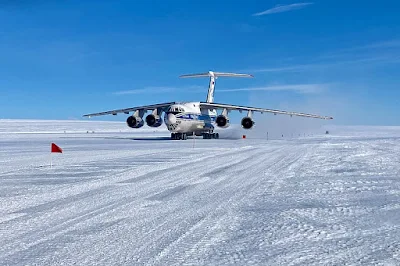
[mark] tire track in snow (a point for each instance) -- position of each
(158, 223)
(48, 234)
(177, 223)
(105, 179)
(199, 234)
(280, 165)
(284, 203)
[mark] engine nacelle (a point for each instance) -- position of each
(222, 121)
(134, 121)
(153, 120)
(247, 123)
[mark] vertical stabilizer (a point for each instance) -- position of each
(213, 76)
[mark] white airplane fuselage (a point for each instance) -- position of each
(188, 117)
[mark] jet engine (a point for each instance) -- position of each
(222, 121)
(153, 120)
(247, 123)
(134, 121)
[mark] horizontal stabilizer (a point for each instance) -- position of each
(216, 74)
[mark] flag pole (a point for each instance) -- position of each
(193, 140)
(54, 148)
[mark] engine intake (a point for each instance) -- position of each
(247, 123)
(222, 121)
(153, 121)
(134, 122)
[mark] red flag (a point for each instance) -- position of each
(55, 148)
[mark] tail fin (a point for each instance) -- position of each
(213, 76)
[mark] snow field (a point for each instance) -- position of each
(112, 199)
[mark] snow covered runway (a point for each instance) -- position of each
(112, 200)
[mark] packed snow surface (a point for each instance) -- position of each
(127, 198)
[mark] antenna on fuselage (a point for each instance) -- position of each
(213, 76)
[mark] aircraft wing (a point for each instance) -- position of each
(206, 105)
(127, 110)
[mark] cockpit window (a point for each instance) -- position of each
(175, 110)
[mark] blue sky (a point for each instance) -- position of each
(62, 59)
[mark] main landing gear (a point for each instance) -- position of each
(210, 136)
(183, 136)
(179, 136)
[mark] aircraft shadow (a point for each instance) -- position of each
(142, 138)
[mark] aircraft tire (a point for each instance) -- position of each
(175, 136)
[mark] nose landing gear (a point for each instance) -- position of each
(178, 136)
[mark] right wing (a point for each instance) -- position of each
(206, 105)
(127, 110)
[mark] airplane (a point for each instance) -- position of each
(196, 118)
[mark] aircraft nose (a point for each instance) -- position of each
(171, 119)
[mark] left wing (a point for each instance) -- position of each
(228, 107)
(127, 110)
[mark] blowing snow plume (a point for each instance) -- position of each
(290, 127)
(280, 126)
(274, 127)
(232, 132)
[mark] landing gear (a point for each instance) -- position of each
(183, 136)
(178, 136)
(210, 136)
